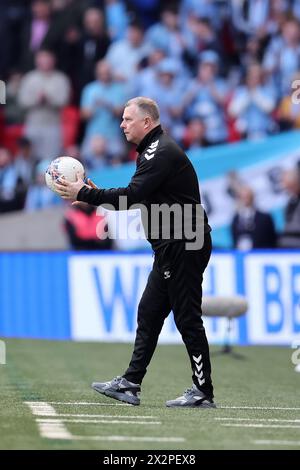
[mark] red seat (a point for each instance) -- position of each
(11, 135)
(70, 119)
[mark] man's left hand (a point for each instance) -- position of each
(68, 190)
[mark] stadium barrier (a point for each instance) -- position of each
(94, 296)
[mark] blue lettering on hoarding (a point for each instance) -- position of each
(272, 300)
(295, 299)
(128, 301)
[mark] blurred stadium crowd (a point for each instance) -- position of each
(220, 70)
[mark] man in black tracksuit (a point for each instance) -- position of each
(182, 245)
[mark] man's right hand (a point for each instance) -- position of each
(93, 186)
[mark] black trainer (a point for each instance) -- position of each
(120, 389)
(192, 397)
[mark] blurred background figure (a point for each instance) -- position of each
(166, 34)
(252, 105)
(206, 97)
(93, 45)
(251, 228)
(101, 108)
(38, 196)
(199, 36)
(125, 54)
(145, 77)
(11, 188)
(117, 19)
(35, 32)
(14, 113)
(194, 135)
(98, 154)
(288, 110)
(290, 237)
(23, 165)
(282, 55)
(85, 228)
(167, 88)
(43, 93)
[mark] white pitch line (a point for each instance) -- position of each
(278, 443)
(55, 430)
(130, 438)
(87, 403)
(259, 408)
(95, 421)
(260, 419)
(260, 425)
(74, 415)
(41, 408)
(50, 429)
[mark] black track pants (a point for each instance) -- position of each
(175, 283)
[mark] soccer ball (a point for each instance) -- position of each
(63, 167)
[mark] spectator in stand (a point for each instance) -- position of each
(252, 105)
(290, 237)
(296, 9)
(251, 228)
(278, 14)
(199, 36)
(194, 136)
(288, 110)
(125, 55)
(252, 53)
(146, 74)
(117, 19)
(67, 38)
(166, 34)
(35, 33)
(147, 11)
(93, 44)
(201, 9)
(166, 89)
(99, 155)
(206, 97)
(11, 198)
(250, 16)
(85, 229)
(282, 56)
(39, 196)
(101, 108)
(43, 93)
(14, 113)
(12, 14)
(24, 162)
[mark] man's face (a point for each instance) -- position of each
(103, 72)
(45, 61)
(134, 124)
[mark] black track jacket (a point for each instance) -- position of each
(164, 176)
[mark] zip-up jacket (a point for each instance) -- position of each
(164, 178)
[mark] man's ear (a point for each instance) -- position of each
(147, 122)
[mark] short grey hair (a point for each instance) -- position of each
(146, 105)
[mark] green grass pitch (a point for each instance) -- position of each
(258, 398)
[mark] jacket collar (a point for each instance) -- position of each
(148, 138)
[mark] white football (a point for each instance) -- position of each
(63, 167)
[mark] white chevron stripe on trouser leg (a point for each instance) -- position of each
(198, 371)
